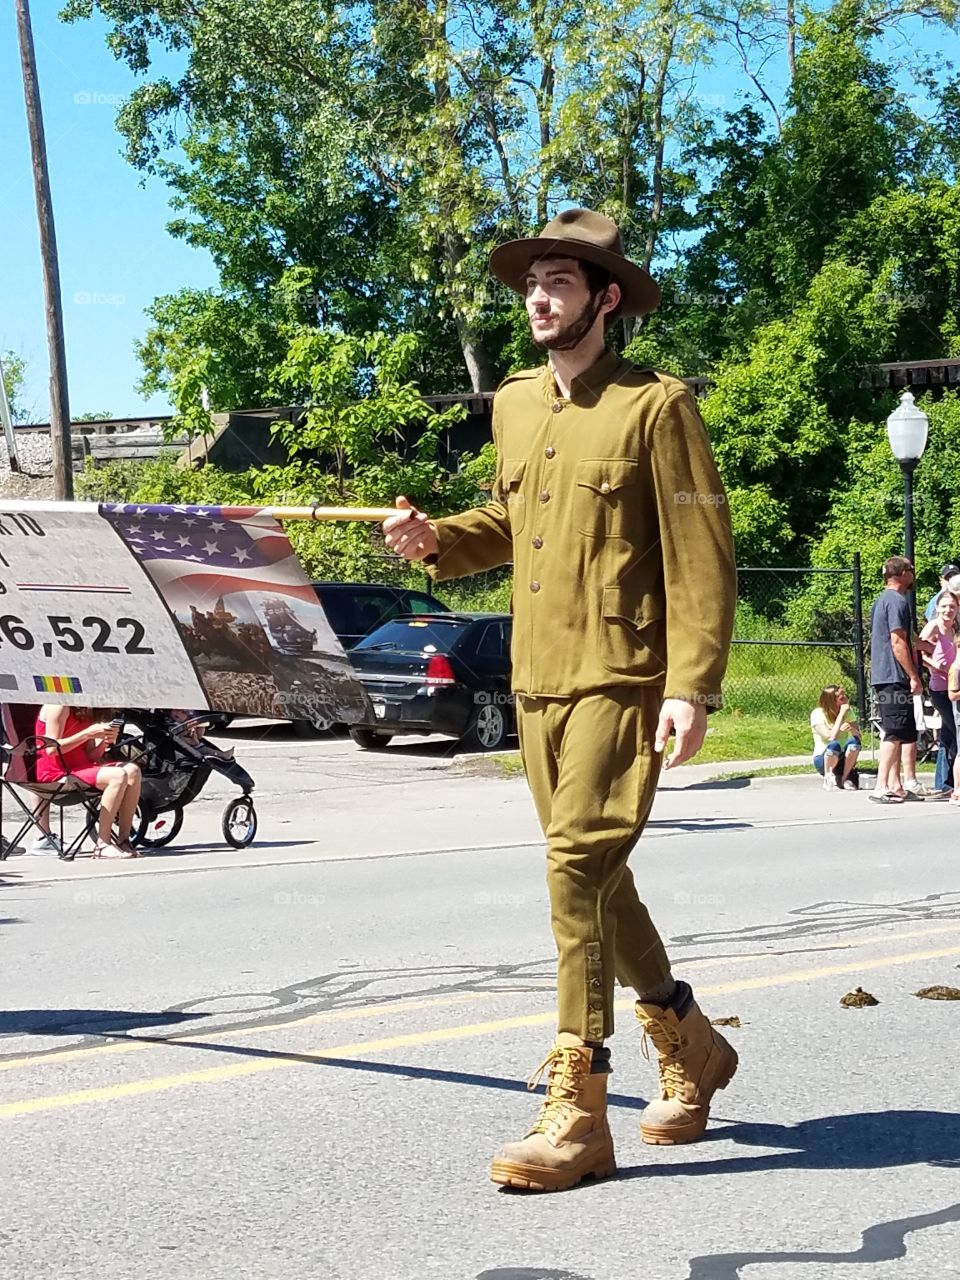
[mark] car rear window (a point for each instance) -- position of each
(414, 634)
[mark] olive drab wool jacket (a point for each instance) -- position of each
(610, 506)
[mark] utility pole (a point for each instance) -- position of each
(60, 445)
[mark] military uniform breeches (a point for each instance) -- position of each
(593, 772)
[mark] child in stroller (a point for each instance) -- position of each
(176, 762)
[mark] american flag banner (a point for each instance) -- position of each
(197, 554)
(248, 616)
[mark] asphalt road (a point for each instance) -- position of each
(296, 1061)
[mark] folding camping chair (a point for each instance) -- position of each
(18, 762)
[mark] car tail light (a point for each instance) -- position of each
(439, 670)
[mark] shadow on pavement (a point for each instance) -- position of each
(868, 1140)
(72, 1022)
(700, 824)
(883, 1242)
(530, 1273)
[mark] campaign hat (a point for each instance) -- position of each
(589, 237)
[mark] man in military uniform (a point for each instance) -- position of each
(609, 505)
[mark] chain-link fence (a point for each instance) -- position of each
(796, 631)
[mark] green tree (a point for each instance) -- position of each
(381, 149)
(14, 377)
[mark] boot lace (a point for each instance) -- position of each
(667, 1043)
(568, 1067)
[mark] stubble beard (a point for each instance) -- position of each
(572, 334)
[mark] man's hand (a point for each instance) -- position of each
(409, 533)
(689, 720)
(915, 685)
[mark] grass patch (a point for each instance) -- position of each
(733, 735)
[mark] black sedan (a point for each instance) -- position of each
(438, 673)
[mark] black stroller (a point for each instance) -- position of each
(175, 770)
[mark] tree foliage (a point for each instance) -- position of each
(349, 168)
(14, 376)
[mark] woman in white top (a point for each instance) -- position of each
(836, 740)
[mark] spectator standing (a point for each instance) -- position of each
(950, 570)
(942, 631)
(953, 693)
(895, 681)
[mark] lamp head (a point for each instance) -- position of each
(907, 430)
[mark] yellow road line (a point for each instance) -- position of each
(121, 1045)
(233, 1071)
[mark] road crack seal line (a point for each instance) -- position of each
(884, 1242)
(262, 1062)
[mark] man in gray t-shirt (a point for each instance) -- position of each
(895, 681)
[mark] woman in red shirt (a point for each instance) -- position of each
(82, 743)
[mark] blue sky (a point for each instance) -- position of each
(115, 254)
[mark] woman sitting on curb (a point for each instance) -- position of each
(836, 740)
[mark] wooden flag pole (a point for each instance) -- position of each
(372, 514)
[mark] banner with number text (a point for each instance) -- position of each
(201, 608)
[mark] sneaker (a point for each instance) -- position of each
(46, 845)
(850, 786)
(910, 794)
(830, 782)
(916, 789)
(8, 850)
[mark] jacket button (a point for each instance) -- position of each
(550, 451)
(604, 488)
(545, 496)
(538, 542)
(534, 587)
(557, 407)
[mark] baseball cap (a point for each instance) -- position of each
(950, 569)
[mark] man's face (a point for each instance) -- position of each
(559, 306)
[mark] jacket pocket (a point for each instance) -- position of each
(511, 491)
(633, 633)
(605, 489)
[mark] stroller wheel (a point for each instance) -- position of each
(239, 822)
(154, 833)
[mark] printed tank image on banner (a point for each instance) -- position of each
(249, 619)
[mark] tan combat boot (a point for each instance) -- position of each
(571, 1139)
(694, 1061)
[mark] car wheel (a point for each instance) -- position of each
(314, 726)
(370, 739)
(488, 728)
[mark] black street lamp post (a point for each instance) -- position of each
(907, 430)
